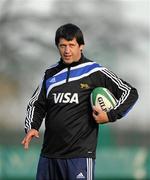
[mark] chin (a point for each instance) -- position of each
(68, 61)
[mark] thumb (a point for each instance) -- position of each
(97, 108)
(36, 134)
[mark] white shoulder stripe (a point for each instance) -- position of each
(84, 75)
(124, 87)
(55, 85)
(75, 67)
(52, 66)
(71, 79)
(62, 71)
(82, 65)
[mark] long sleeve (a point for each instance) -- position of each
(123, 91)
(36, 109)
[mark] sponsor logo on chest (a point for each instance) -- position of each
(66, 98)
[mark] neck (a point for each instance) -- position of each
(73, 63)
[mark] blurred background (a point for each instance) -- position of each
(117, 35)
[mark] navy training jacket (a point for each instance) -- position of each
(63, 100)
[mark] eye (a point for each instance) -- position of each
(62, 46)
(72, 45)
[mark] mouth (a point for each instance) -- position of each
(67, 57)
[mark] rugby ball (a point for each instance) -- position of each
(103, 98)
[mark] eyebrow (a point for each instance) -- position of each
(63, 44)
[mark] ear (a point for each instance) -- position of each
(81, 47)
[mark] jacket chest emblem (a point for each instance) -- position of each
(84, 86)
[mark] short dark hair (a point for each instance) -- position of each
(68, 32)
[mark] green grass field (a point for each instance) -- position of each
(113, 161)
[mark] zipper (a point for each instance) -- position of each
(68, 74)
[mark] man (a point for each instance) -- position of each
(63, 99)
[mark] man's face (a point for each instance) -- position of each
(70, 51)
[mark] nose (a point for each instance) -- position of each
(67, 49)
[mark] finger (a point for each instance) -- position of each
(28, 137)
(94, 108)
(94, 115)
(37, 134)
(26, 145)
(97, 108)
(27, 142)
(24, 140)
